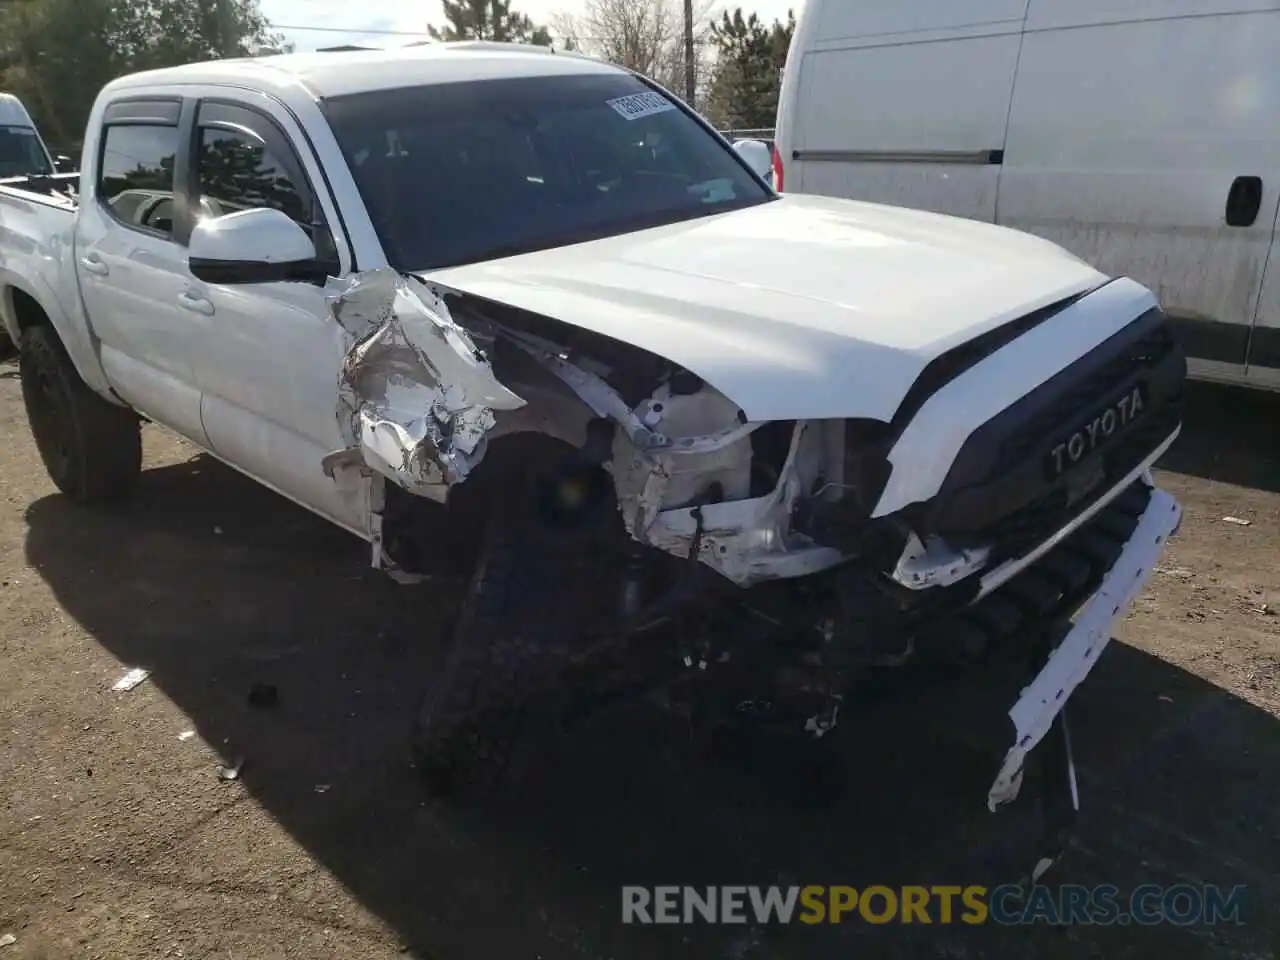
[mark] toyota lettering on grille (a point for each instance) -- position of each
(1096, 432)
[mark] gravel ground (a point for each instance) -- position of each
(117, 838)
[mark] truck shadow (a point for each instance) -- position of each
(214, 584)
(1229, 434)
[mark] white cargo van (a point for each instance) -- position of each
(1142, 135)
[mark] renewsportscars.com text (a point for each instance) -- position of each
(1147, 905)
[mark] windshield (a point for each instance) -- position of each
(464, 172)
(21, 154)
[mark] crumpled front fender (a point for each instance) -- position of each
(416, 396)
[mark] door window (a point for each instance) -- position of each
(239, 172)
(136, 175)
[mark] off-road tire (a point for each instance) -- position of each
(532, 603)
(92, 449)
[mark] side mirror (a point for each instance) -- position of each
(758, 157)
(64, 164)
(252, 246)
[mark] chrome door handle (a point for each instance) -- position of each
(94, 265)
(196, 304)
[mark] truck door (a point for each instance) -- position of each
(130, 265)
(269, 354)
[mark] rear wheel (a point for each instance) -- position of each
(92, 449)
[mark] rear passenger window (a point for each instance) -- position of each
(137, 175)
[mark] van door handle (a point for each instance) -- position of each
(196, 304)
(93, 264)
(1244, 200)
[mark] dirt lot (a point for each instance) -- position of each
(117, 838)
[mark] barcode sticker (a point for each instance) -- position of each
(639, 105)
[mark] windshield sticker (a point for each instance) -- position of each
(639, 105)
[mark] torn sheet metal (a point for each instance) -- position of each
(746, 541)
(932, 563)
(656, 465)
(1043, 699)
(416, 396)
(642, 430)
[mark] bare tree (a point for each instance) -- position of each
(643, 35)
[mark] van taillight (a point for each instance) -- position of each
(777, 170)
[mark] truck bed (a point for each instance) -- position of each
(37, 223)
(59, 189)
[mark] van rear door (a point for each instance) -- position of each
(1148, 148)
(901, 102)
(1263, 361)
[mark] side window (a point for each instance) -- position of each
(239, 172)
(137, 174)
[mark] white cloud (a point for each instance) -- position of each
(341, 22)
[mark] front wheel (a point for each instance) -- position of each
(91, 448)
(535, 599)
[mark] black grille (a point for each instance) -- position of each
(1083, 397)
(1019, 531)
(1008, 490)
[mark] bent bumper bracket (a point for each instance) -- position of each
(1044, 698)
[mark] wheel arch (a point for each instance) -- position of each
(26, 305)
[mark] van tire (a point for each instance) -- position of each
(91, 448)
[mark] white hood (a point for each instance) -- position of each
(802, 308)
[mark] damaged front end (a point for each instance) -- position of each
(419, 402)
(1003, 555)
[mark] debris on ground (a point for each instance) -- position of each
(231, 771)
(1179, 573)
(131, 680)
(8, 940)
(186, 735)
(1237, 521)
(263, 695)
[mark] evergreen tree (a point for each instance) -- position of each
(488, 20)
(748, 74)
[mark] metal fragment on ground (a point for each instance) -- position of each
(1237, 521)
(130, 680)
(231, 771)
(186, 735)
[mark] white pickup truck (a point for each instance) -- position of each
(526, 315)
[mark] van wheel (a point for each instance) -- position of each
(534, 600)
(92, 449)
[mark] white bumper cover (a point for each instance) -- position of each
(1043, 699)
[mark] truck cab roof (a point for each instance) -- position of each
(334, 74)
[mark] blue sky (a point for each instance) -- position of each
(344, 20)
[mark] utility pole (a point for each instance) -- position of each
(690, 78)
(227, 29)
